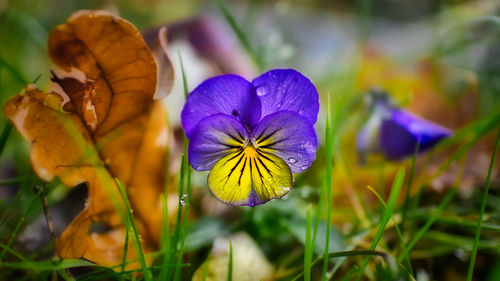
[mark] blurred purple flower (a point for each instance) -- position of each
(395, 132)
(252, 135)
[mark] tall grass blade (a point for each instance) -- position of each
(245, 42)
(398, 231)
(350, 273)
(12, 252)
(178, 228)
(408, 187)
(184, 77)
(15, 180)
(308, 247)
(18, 226)
(48, 265)
(125, 246)
(328, 185)
(318, 212)
(186, 197)
(185, 180)
(165, 237)
(428, 223)
(4, 136)
(395, 190)
(481, 212)
(137, 239)
(18, 75)
(477, 130)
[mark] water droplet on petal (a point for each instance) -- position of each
(262, 90)
(292, 160)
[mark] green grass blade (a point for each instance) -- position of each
(308, 247)
(48, 265)
(455, 221)
(137, 239)
(4, 136)
(24, 186)
(12, 252)
(177, 229)
(396, 189)
(449, 195)
(184, 197)
(15, 180)
(165, 237)
(343, 254)
(18, 226)
(36, 78)
(230, 264)
(245, 42)
(125, 246)
(350, 273)
(184, 77)
(398, 231)
(477, 130)
(329, 142)
(18, 75)
(481, 212)
(408, 187)
(107, 274)
(318, 212)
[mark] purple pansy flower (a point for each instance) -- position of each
(395, 132)
(252, 135)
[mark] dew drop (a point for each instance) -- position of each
(283, 190)
(183, 199)
(301, 112)
(262, 91)
(292, 160)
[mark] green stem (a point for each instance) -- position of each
(481, 213)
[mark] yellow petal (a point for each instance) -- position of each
(250, 176)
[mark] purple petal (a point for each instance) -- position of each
(215, 137)
(287, 89)
(289, 136)
(228, 94)
(400, 134)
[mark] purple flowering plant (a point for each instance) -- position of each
(252, 136)
(394, 132)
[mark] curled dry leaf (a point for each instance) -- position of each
(110, 127)
(165, 71)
